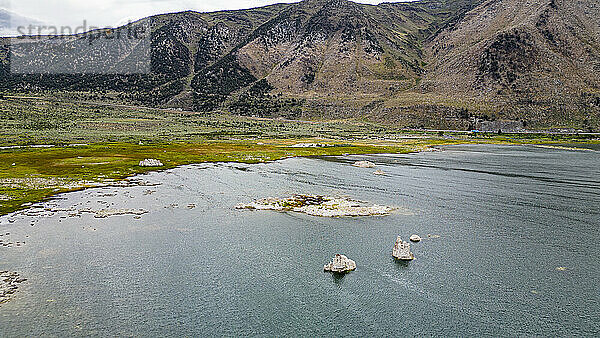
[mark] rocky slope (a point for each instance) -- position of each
(534, 60)
(439, 64)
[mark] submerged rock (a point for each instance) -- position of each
(401, 250)
(149, 162)
(415, 238)
(9, 283)
(105, 213)
(364, 164)
(379, 172)
(316, 205)
(340, 264)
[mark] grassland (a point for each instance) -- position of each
(96, 143)
(46, 121)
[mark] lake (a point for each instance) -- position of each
(510, 247)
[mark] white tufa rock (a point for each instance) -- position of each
(364, 164)
(105, 213)
(322, 206)
(401, 250)
(310, 145)
(415, 238)
(340, 264)
(149, 162)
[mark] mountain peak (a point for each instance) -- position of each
(438, 64)
(316, 5)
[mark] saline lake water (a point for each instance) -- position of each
(514, 251)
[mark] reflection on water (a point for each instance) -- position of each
(338, 278)
(401, 264)
(496, 223)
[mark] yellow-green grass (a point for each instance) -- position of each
(56, 167)
(177, 138)
(98, 162)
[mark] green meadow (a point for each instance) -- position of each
(90, 144)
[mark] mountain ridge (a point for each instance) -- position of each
(526, 53)
(456, 64)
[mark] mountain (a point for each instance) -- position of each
(429, 64)
(534, 60)
(323, 49)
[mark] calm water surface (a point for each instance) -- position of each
(506, 217)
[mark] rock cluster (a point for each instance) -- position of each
(105, 213)
(39, 211)
(5, 241)
(9, 283)
(44, 183)
(59, 184)
(401, 250)
(316, 205)
(364, 164)
(310, 145)
(340, 264)
(150, 162)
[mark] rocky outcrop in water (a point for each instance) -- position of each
(402, 251)
(46, 211)
(105, 213)
(6, 241)
(364, 164)
(9, 284)
(316, 205)
(340, 264)
(415, 238)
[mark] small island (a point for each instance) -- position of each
(364, 164)
(340, 264)
(317, 205)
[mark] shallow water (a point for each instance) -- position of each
(507, 218)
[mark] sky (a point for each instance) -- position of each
(112, 13)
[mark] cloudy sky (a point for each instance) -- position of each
(110, 13)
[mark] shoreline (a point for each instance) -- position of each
(116, 163)
(58, 170)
